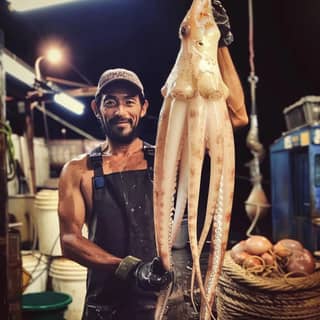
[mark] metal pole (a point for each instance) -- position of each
(3, 193)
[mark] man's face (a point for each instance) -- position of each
(121, 110)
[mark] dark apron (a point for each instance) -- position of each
(122, 224)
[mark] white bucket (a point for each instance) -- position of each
(70, 277)
(37, 266)
(47, 222)
(41, 152)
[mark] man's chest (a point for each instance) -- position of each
(110, 165)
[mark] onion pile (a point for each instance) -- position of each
(287, 257)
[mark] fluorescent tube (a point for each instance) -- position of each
(69, 103)
(26, 5)
(16, 69)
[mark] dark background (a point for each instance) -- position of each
(142, 35)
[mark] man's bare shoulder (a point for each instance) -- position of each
(76, 167)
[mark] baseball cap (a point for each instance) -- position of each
(112, 75)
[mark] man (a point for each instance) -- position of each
(111, 191)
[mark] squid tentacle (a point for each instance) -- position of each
(182, 191)
(221, 224)
(166, 187)
(196, 136)
(214, 145)
(165, 178)
(215, 148)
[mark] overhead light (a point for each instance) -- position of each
(69, 103)
(54, 55)
(15, 68)
(26, 5)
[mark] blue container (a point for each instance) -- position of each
(295, 181)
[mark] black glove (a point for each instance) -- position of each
(222, 20)
(149, 276)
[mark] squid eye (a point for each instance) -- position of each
(200, 43)
(185, 30)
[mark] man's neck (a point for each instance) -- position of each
(115, 149)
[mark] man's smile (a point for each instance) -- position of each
(120, 122)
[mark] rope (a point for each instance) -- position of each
(253, 142)
(273, 298)
(7, 131)
(253, 79)
(254, 221)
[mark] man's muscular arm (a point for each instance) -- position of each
(72, 218)
(146, 275)
(235, 101)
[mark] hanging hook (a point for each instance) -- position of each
(257, 204)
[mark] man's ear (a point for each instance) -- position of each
(144, 108)
(94, 108)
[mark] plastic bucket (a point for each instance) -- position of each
(37, 266)
(45, 305)
(47, 222)
(70, 277)
(42, 171)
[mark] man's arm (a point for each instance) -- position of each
(235, 101)
(72, 218)
(146, 275)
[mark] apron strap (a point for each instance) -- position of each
(149, 151)
(95, 158)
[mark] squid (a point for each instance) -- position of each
(197, 117)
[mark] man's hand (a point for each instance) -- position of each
(222, 20)
(152, 276)
(149, 276)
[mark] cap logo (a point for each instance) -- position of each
(119, 74)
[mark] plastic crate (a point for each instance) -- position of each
(305, 111)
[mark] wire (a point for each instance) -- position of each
(83, 77)
(38, 264)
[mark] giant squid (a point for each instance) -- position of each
(203, 101)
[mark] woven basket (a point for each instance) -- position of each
(243, 295)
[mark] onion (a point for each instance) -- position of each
(285, 247)
(291, 244)
(301, 262)
(281, 251)
(239, 247)
(257, 245)
(240, 257)
(238, 253)
(268, 259)
(252, 262)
